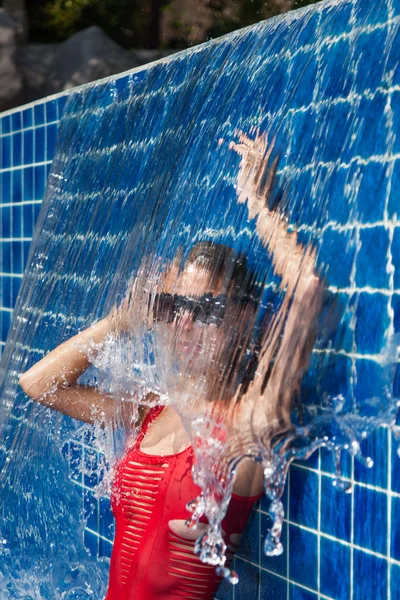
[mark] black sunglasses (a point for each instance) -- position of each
(207, 309)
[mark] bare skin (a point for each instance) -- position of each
(52, 381)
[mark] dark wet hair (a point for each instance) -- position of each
(227, 266)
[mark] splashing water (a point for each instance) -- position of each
(198, 224)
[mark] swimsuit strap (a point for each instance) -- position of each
(149, 418)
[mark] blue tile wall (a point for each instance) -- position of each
(337, 546)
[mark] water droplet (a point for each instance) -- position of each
(272, 548)
(342, 486)
(233, 578)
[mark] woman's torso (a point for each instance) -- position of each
(153, 554)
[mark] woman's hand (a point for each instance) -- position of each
(256, 175)
(122, 317)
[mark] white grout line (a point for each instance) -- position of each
(97, 534)
(319, 525)
(25, 166)
(350, 545)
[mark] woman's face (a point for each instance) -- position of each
(202, 333)
(193, 338)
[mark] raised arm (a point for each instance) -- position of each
(287, 345)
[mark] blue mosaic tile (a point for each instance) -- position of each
(371, 259)
(16, 213)
(335, 559)
(28, 147)
(392, 62)
(311, 462)
(250, 545)
(298, 593)
(27, 118)
(15, 285)
(375, 447)
(16, 180)
(16, 260)
(369, 573)
(28, 220)
(370, 526)
(369, 70)
(61, 100)
(395, 302)
(395, 467)
(395, 251)
(226, 590)
(394, 581)
(5, 222)
(303, 557)
(16, 121)
(105, 548)
(373, 189)
(17, 149)
(365, 12)
(339, 272)
(51, 111)
(90, 478)
(36, 212)
(372, 323)
(38, 112)
(26, 248)
(28, 184)
(395, 529)
(337, 22)
(5, 187)
(395, 101)
(6, 152)
(6, 124)
(335, 511)
(91, 542)
(306, 83)
(5, 324)
(265, 501)
(370, 379)
(76, 462)
(6, 257)
(91, 511)
(249, 578)
(328, 463)
(271, 587)
(303, 509)
(40, 144)
(40, 182)
(335, 379)
(301, 148)
(276, 564)
(106, 519)
(51, 133)
(6, 291)
(335, 80)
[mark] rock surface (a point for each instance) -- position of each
(33, 71)
(86, 56)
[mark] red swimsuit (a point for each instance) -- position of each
(149, 561)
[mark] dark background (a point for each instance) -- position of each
(155, 24)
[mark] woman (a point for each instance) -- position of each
(153, 555)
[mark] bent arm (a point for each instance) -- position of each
(52, 381)
(63, 365)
